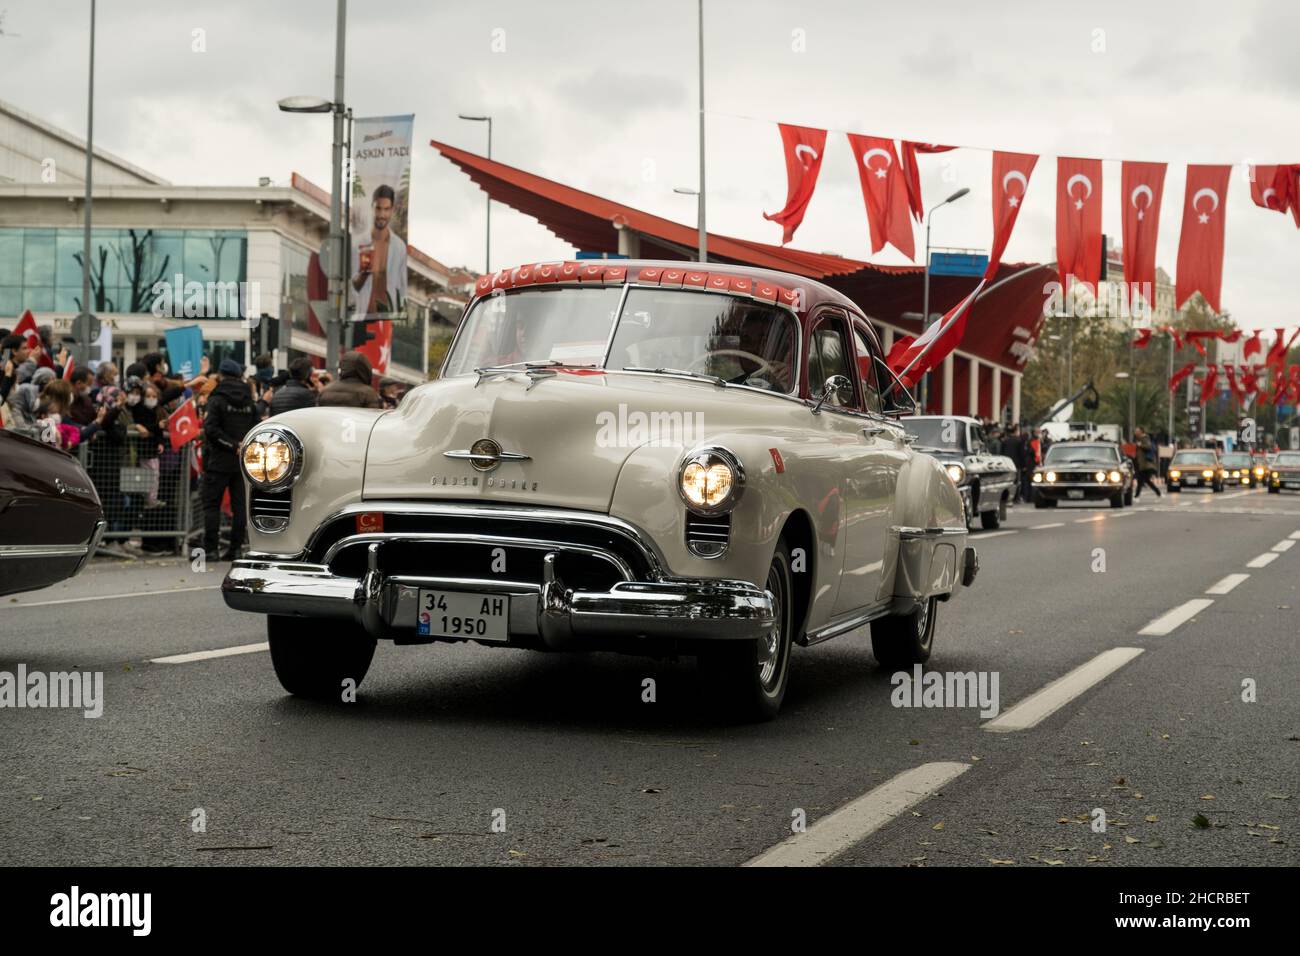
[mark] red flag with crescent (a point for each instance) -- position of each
(946, 334)
(1176, 379)
(183, 425)
(1253, 345)
(1078, 220)
(1208, 383)
(1143, 338)
(884, 191)
(1143, 185)
(1276, 357)
(804, 148)
(1200, 248)
(1011, 172)
(1238, 390)
(913, 174)
(1273, 187)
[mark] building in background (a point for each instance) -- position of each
(147, 231)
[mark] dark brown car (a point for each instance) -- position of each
(50, 515)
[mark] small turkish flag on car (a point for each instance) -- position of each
(183, 425)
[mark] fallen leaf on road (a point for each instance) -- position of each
(1129, 839)
(1208, 796)
(1002, 862)
(1151, 818)
(1200, 822)
(937, 826)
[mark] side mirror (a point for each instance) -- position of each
(837, 390)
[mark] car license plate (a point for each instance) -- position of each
(481, 617)
(1193, 481)
(1074, 494)
(1291, 484)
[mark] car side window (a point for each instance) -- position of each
(827, 356)
(866, 371)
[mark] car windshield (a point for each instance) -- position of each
(944, 433)
(1194, 458)
(1072, 454)
(739, 341)
(1235, 461)
(1290, 460)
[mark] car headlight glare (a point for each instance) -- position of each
(1051, 476)
(1207, 473)
(1100, 476)
(956, 472)
(1038, 477)
(272, 458)
(711, 481)
(1114, 476)
(1174, 473)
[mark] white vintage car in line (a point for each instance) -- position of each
(642, 457)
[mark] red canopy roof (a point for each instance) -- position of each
(1014, 299)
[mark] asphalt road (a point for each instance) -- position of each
(446, 740)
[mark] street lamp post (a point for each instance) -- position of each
(704, 236)
(699, 210)
(487, 255)
(925, 295)
(81, 330)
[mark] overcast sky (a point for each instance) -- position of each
(602, 96)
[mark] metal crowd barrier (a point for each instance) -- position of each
(146, 494)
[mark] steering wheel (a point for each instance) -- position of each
(763, 364)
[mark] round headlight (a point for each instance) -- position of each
(1038, 476)
(711, 480)
(1051, 476)
(956, 472)
(272, 458)
(1114, 476)
(1100, 476)
(1174, 472)
(1207, 473)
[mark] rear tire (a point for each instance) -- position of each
(990, 519)
(752, 676)
(901, 640)
(1173, 488)
(314, 662)
(1273, 491)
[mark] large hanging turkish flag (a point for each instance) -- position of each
(804, 148)
(1200, 248)
(1011, 172)
(910, 358)
(1143, 185)
(884, 191)
(913, 175)
(379, 350)
(1270, 187)
(1078, 220)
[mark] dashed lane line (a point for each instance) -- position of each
(1093, 518)
(991, 534)
(855, 821)
(1171, 620)
(209, 655)
(1054, 524)
(1263, 561)
(112, 597)
(1283, 546)
(1227, 584)
(1043, 703)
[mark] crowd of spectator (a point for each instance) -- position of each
(111, 418)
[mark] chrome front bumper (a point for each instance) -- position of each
(387, 606)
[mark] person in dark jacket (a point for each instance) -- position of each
(353, 386)
(297, 392)
(1146, 461)
(231, 412)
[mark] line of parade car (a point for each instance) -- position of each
(641, 457)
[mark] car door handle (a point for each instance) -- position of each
(875, 431)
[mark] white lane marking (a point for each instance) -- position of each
(1227, 584)
(1294, 536)
(1042, 704)
(1263, 561)
(1238, 494)
(855, 821)
(1170, 620)
(114, 597)
(1093, 518)
(1284, 545)
(991, 534)
(209, 655)
(1054, 524)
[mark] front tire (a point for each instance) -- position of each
(990, 519)
(901, 640)
(313, 662)
(753, 675)
(1117, 501)
(1128, 497)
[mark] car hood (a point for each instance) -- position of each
(576, 431)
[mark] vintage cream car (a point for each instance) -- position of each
(639, 457)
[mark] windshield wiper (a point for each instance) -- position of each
(535, 370)
(715, 379)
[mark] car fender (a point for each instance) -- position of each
(927, 538)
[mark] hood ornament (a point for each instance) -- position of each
(485, 455)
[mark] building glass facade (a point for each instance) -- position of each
(40, 269)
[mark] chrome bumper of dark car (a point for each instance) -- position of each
(386, 606)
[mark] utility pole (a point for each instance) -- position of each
(81, 330)
(704, 236)
(339, 255)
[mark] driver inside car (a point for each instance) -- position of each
(760, 357)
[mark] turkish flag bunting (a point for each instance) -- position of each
(804, 148)
(1078, 220)
(1277, 188)
(379, 350)
(1277, 354)
(183, 425)
(1143, 339)
(946, 334)
(1253, 345)
(1176, 379)
(1011, 172)
(1143, 185)
(884, 191)
(1238, 391)
(1208, 383)
(1200, 248)
(913, 174)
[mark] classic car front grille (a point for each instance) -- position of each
(1078, 475)
(270, 510)
(708, 537)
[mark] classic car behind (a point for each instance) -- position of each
(1284, 474)
(1195, 468)
(1237, 467)
(638, 457)
(1083, 471)
(987, 482)
(50, 516)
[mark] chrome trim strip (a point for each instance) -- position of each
(464, 454)
(456, 537)
(10, 551)
(844, 624)
(906, 532)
